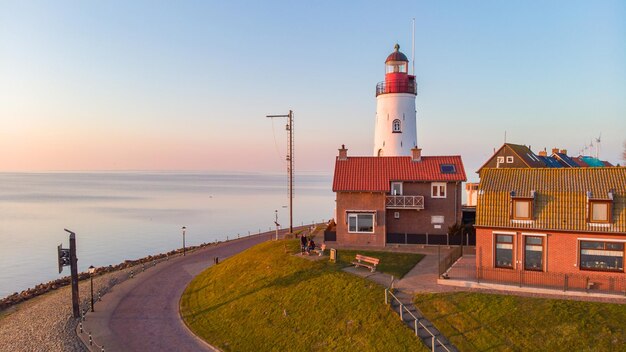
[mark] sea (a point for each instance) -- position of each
(128, 215)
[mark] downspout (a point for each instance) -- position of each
(456, 191)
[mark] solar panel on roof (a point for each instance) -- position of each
(447, 169)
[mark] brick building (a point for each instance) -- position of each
(565, 221)
(385, 200)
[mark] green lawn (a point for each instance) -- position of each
(487, 322)
(265, 299)
(396, 264)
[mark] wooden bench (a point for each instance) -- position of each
(367, 262)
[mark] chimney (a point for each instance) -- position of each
(564, 151)
(543, 153)
(416, 154)
(343, 153)
(555, 150)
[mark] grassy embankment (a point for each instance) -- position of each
(396, 264)
(487, 322)
(266, 299)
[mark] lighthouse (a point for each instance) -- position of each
(396, 126)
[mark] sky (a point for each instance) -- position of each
(186, 85)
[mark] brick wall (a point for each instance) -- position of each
(361, 201)
(560, 248)
(413, 221)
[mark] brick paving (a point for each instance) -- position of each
(142, 314)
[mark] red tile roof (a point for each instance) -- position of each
(375, 173)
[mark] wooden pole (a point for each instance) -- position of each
(290, 171)
(74, 271)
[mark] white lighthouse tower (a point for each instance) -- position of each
(396, 125)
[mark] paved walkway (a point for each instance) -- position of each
(142, 314)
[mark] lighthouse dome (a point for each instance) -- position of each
(397, 55)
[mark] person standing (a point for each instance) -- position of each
(303, 242)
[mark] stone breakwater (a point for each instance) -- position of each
(40, 289)
(40, 318)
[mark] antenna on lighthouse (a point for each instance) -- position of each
(413, 51)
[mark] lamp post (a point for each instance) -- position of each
(276, 223)
(92, 270)
(184, 249)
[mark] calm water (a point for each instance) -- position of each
(119, 216)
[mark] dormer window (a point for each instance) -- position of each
(522, 207)
(396, 126)
(599, 211)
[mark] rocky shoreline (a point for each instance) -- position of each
(43, 288)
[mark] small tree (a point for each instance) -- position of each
(455, 229)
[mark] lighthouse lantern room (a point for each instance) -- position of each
(396, 126)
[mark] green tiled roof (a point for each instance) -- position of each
(560, 202)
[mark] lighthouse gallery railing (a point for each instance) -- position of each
(396, 87)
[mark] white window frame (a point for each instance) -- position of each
(509, 159)
(393, 126)
(401, 188)
(440, 186)
(500, 160)
(356, 216)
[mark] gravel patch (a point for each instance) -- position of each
(45, 323)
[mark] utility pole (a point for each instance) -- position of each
(289, 128)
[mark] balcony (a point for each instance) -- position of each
(405, 202)
(396, 87)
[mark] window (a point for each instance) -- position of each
(437, 219)
(500, 160)
(599, 211)
(533, 253)
(396, 66)
(438, 190)
(396, 188)
(358, 222)
(396, 126)
(447, 168)
(504, 251)
(522, 209)
(509, 160)
(602, 256)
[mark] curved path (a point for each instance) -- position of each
(142, 314)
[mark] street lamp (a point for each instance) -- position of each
(92, 270)
(276, 223)
(184, 250)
